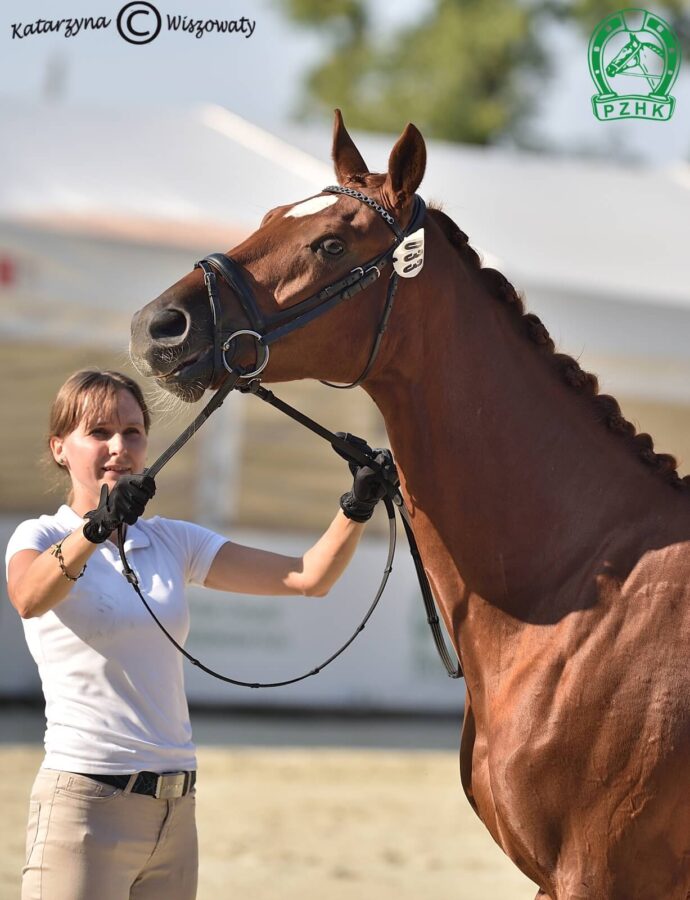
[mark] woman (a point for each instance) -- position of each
(103, 821)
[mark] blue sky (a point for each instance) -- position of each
(259, 77)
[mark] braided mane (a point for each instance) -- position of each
(606, 408)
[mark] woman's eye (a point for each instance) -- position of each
(332, 246)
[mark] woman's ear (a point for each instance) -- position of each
(57, 448)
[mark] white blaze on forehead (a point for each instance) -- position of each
(316, 204)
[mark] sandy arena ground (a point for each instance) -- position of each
(296, 824)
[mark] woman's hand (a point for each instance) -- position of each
(369, 485)
(125, 503)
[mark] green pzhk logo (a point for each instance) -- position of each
(634, 43)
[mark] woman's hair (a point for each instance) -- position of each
(88, 394)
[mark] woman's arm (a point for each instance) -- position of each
(248, 571)
(245, 570)
(35, 581)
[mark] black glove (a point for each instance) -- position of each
(368, 486)
(125, 503)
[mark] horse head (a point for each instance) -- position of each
(627, 57)
(300, 254)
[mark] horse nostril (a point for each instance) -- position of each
(168, 325)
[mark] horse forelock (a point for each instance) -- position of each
(606, 407)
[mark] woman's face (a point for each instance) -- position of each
(101, 448)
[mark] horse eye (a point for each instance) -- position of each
(332, 246)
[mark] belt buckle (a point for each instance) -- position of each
(170, 785)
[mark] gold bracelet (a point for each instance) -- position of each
(57, 553)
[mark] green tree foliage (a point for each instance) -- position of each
(468, 70)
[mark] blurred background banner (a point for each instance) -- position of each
(122, 163)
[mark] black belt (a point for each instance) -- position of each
(164, 786)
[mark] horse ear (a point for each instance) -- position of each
(406, 166)
(347, 159)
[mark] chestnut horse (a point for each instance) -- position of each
(556, 540)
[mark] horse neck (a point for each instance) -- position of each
(512, 484)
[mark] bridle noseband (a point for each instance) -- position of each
(406, 251)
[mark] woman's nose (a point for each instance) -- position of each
(116, 443)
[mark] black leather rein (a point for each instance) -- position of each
(267, 330)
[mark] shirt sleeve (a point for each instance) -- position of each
(198, 546)
(33, 534)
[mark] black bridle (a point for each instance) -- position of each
(407, 254)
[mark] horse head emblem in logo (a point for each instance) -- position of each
(633, 43)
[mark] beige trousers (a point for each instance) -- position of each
(90, 841)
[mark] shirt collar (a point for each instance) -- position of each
(136, 536)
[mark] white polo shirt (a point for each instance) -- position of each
(113, 683)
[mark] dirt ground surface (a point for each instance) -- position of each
(296, 824)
